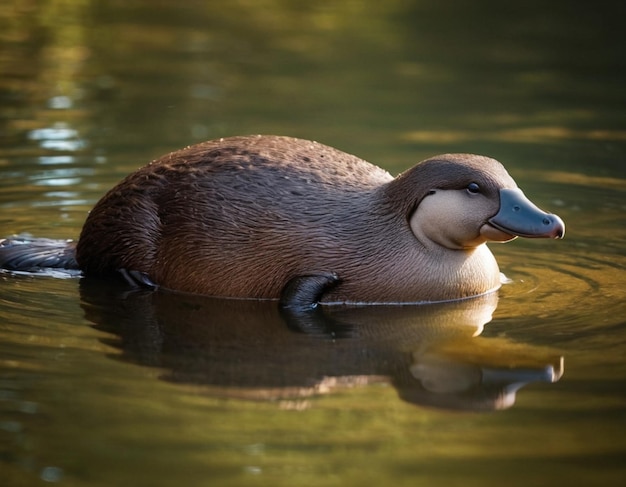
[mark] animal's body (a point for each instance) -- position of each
(264, 217)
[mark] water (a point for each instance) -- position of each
(100, 386)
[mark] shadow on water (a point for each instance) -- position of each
(431, 354)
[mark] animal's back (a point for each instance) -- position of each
(209, 218)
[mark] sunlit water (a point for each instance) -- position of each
(100, 385)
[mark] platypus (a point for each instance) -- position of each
(270, 217)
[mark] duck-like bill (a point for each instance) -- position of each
(519, 216)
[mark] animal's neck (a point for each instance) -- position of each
(456, 274)
(419, 276)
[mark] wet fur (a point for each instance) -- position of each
(244, 216)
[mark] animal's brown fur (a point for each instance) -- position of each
(241, 216)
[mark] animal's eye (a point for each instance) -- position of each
(473, 188)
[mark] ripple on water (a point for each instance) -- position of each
(570, 294)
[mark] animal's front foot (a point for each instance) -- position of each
(299, 306)
(304, 292)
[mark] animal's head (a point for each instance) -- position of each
(460, 201)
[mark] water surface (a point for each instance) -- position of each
(103, 386)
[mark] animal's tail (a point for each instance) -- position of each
(23, 253)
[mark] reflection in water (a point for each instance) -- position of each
(525, 135)
(250, 349)
(59, 137)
